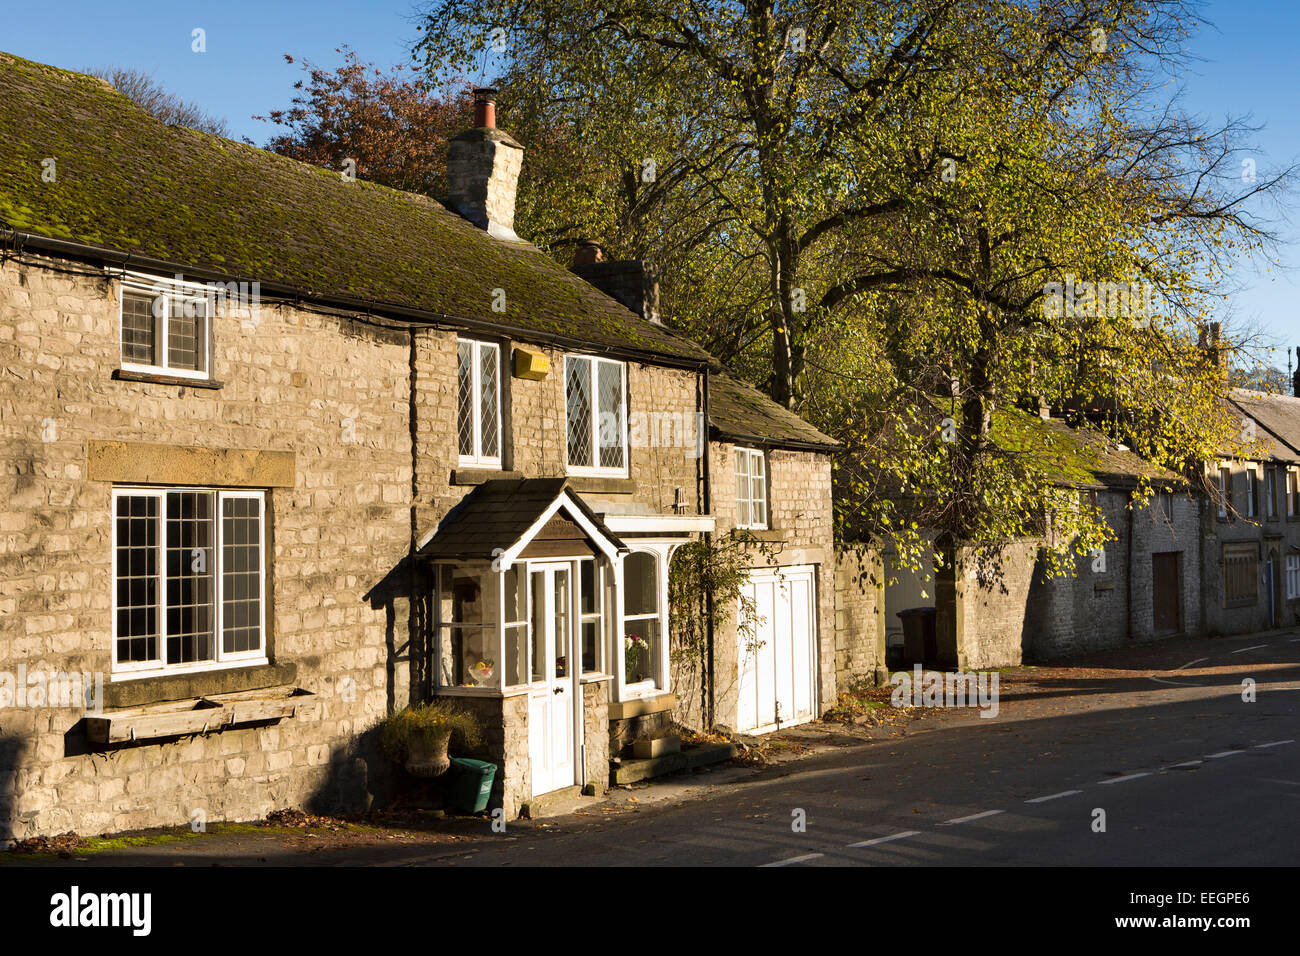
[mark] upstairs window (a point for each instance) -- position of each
(1252, 492)
(1225, 491)
(478, 403)
(595, 397)
(189, 571)
(165, 327)
(1270, 492)
(751, 489)
(1292, 493)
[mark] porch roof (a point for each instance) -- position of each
(500, 517)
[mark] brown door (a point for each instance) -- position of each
(1166, 595)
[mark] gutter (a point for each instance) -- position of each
(826, 448)
(707, 497)
(401, 313)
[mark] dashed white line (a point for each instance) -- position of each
(1054, 796)
(1243, 650)
(1186, 763)
(1131, 776)
(1223, 753)
(886, 839)
(795, 859)
(973, 816)
(1275, 743)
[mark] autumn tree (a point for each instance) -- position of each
(386, 127)
(878, 200)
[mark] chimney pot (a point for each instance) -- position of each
(485, 107)
(588, 252)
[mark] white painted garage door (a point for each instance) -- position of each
(778, 659)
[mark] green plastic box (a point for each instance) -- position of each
(471, 784)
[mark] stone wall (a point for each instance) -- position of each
(1107, 605)
(859, 618)
(331, 391)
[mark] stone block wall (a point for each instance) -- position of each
(331, 391)
(859, 618)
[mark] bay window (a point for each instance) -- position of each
(189, 573)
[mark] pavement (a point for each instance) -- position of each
(1151, 755)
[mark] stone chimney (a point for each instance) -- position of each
(630, 281)
(1210, 340)
(483, 167)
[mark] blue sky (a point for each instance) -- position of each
(1249, 64)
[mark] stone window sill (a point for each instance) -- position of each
(476, 476)
(123, 375)
(175, 687)
(587, 484)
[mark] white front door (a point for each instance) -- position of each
(552, 723)
(778, 653)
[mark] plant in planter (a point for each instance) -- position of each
(419, 736)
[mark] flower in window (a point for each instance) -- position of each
(635, 649)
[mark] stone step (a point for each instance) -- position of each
(632, 771)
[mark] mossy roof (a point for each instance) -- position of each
(1075, 455)
(740, 412)
(128, 183)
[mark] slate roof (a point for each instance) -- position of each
(1280, 417)
(127, 183)
(496, 514)
(740, 412)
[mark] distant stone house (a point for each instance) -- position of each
(1251, 527)
(285, 451)
(1002, 606)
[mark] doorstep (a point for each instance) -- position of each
(557, 803)
(632, 771)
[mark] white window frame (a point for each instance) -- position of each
(597, 617)
(750, 456)
(1251, 478)
(1292, 577)
(1292, 492)
(221, 660)
(168, 289)
(1270, 492)
(594, 379)
(1224, 477)
(623, 691)
(478, 458)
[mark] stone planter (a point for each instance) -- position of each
(647, 748)
(426, 756)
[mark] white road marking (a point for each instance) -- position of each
(973, 816)
(1224, 753)
(1275, 743)
(1055, 796)
(1243, 650)
(1186, 763)
(886, 839)
(1175, 683)
(795, 859)
(1131, 776)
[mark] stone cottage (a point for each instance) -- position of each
(285, 451)
(1250, 529)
